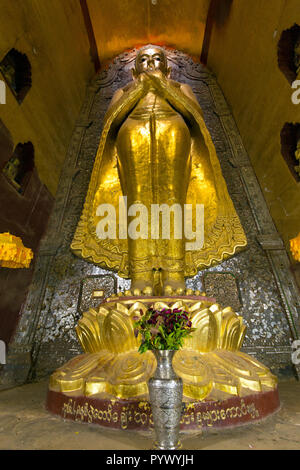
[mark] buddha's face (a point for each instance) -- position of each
(151, 59)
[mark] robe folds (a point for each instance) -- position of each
(223, 233)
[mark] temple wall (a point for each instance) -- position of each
(24, 215)
(120, 25)
(243, 55)
(53, 36)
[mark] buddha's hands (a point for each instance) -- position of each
(144, 81)
(156, 80)
(153, 80)
(154, 74)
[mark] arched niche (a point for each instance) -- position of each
(16, 70)
(290, 148)
(289, 53)
(19, 167)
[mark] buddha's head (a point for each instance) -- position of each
(149, 59)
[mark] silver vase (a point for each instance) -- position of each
(165, 390)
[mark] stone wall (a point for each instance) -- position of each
(53, 37)
(244, 55)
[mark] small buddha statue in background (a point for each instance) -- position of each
(12, 169)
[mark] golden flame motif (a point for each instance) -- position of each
(295, 247)
(13, 253)
(210, 362)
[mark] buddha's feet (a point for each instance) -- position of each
(171, 286)
(142, 284)
(148, 291)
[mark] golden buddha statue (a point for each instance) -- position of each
(156, 151)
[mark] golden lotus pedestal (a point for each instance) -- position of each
(222, 386)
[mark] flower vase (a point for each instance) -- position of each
(165, 390)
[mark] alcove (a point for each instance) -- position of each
(16, 70)
(289, 53)
(19, 167)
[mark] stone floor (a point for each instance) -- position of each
(25, 424)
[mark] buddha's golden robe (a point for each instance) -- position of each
(156, 149)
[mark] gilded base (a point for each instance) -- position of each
(210, 364)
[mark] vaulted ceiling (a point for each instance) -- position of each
(119, 25)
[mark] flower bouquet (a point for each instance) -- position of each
(162, 329)
(163, 332)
